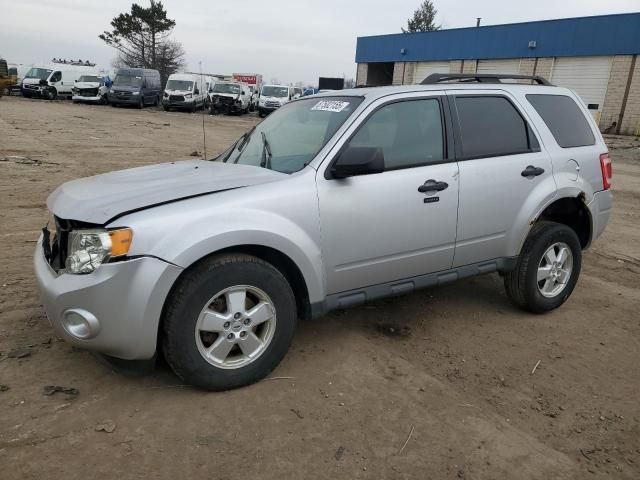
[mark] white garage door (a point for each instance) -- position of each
(424, 69)
(508, 66)
(587, 76)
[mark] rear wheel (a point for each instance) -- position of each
(229, 322)
(547, 270)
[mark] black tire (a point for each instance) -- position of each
(261, 114)
(190, 295)
(156, 101)
(51, 93)
(141, 102)
(521, 284)
(114, 105)
(165, 108)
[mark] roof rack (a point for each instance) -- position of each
(480, 78)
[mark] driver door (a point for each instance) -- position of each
(379, 228)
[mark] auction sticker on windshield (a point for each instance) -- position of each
(330, 106)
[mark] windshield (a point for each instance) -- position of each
(226, 88)
(272, 91)
(41, 73)
(179, 85)
(293, 135)
(90, 78)
(127, 81)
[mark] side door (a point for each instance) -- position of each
(504, 174)
(55, 80)
(383, 227)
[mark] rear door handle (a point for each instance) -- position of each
(432, 185)
(532, 171)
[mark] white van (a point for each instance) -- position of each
(273, 97)
(54, 80)
(185, 91)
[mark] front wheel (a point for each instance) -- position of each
(547, 270)
(228, 322)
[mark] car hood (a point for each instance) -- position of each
(101, 198)
(227, 95)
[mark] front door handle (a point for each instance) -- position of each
(532, 171)
(432, 185)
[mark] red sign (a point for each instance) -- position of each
(250, 79)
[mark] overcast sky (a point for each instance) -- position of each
(290, 40)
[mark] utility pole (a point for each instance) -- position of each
(478, 21)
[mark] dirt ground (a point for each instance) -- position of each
(434, 385)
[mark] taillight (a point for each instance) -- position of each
(607, 170)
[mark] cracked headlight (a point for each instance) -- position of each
(88, 249)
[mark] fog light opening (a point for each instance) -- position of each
(80, 324)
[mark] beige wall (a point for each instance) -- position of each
(361, 74)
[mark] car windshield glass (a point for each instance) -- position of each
(41, 73)
(90, 78)
(292, 136)
(226, 88)
(127, 81)
(179, 85)
(271, 91)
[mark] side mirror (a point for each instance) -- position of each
(358, 161)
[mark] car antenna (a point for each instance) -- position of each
(204, 133)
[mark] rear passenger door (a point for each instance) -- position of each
(504, 174)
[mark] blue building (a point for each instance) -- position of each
(595, 56)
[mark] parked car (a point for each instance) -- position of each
(229, 97)
(273, 97)
(213, 262)
(89, 88)
(135, 86)
(185, 91)
(51, 83)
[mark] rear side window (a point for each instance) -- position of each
(492, 127)
(564, 118)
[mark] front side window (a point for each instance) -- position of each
(564, 118)
(410, 133)
(288, 139)
(56, 77)
(492, 127)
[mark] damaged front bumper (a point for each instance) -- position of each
(115, 310)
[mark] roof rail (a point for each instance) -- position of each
(480, 78)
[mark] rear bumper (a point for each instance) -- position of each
(600, 209)
(123, 302)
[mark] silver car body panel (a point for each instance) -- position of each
(352, 239)
(128, 323)
(100, 198)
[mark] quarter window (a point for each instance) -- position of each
(492, 127)
(410, 133)
(564, 119)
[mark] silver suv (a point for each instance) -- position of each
(332, 201)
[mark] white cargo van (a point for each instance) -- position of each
(53, 81)
(185, 91)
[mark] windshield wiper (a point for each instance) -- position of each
(266, 152)
(240, 144)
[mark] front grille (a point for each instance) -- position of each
(272, 104)
(122, 94)
(176, 98)
(88, 92)
(29, 86)
(224, 100)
